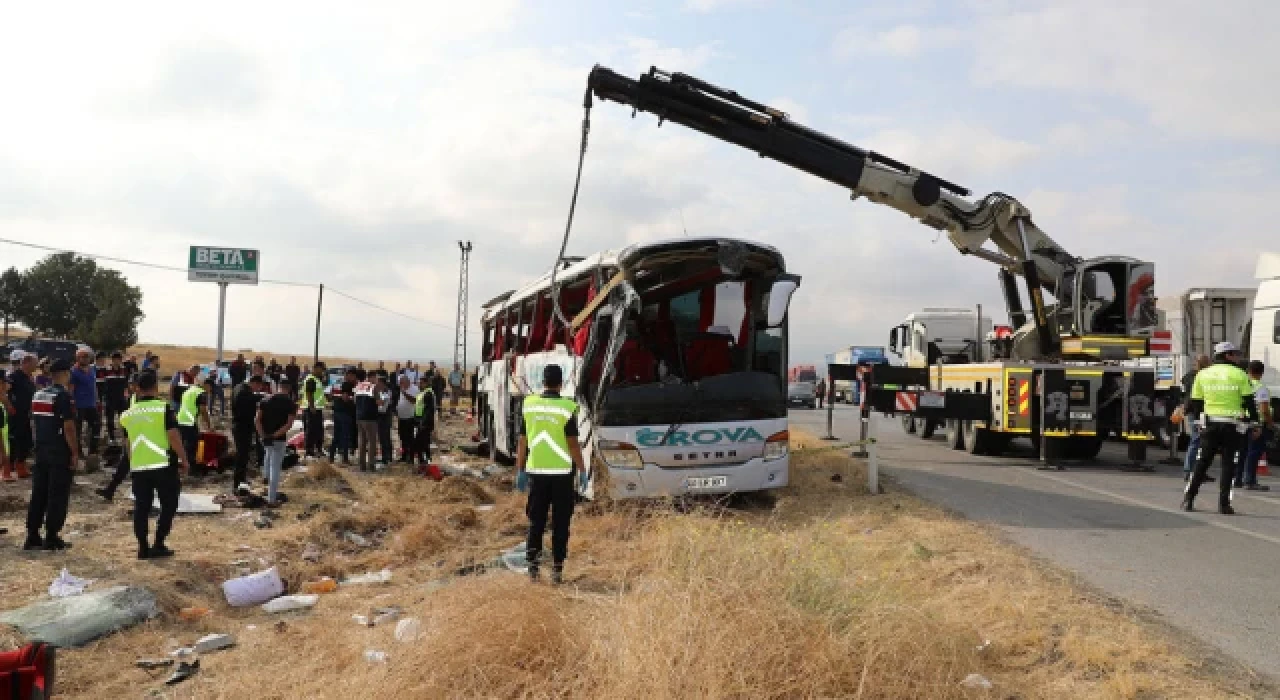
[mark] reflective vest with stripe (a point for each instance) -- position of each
(420, 405)
(144, 427)
(187, 410)
(1223, 388)
(545, 419)
(317, 391)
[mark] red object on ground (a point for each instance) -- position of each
(1263, 468)
(209, 448)
(298, 441)
(433, 472)
(28, 673)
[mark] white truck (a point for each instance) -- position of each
(940, 335)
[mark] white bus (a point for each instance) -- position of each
(679, 365)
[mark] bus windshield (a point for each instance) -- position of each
(699, 348)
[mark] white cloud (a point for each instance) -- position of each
(716, 5)
(1197, 68)
(901, 41)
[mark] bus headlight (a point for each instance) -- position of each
(777, 445)
(620, 455)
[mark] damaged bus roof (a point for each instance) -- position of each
(638, 255)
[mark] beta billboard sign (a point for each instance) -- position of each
(229, 265)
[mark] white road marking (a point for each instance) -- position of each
(1163, 509)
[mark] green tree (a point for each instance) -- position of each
(13, 297)
(117, 311)
(58, 294)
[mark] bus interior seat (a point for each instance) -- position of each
(707, 355)
(635, 364)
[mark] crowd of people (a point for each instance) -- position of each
(55, 415)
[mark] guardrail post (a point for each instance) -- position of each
(873, 460)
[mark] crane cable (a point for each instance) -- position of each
(573, 205)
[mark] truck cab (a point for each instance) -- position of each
(940, 336)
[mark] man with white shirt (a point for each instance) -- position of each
(405, 421)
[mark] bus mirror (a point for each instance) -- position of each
(780, 299)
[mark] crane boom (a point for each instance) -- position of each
(1020, 247)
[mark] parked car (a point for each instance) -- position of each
(52, 349)
(802, 393)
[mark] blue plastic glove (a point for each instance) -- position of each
(522, 481)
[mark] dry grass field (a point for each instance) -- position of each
(824, 591)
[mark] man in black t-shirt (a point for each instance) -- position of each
(244, 410)
(274, 417)
(344, 418)
(115, 384)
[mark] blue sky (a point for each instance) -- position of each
(354, 146)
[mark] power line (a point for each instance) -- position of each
(385, 309)
(174, 268)
(139, 263)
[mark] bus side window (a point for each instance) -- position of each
(1275, 328)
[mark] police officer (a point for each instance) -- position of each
(549, 454)
(156, 455)
(4, 421)
(57, 450)
(313, 404)
(1223, 395)
(424, 412)
(194, 406)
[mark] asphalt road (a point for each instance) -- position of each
(1217, 577)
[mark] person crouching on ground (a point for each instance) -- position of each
(156, 460)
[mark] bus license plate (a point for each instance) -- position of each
(706, 482)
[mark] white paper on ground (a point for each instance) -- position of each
(194, 504)
(68, 585)
(290, 602)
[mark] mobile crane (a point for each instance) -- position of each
(1065, 355)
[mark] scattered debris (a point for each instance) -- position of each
(356, 538)
(985, 645)
(361, 620)
(183, 653)
(383, 576)
(194, 504)
(382, 615)
(516, 558)
(68, 585)
(375, 657)
(183, 672)
(79, 619)
(495, 470)
(324, 585)
(192, 614)
(152, 664)
(214, 642)
(289, 603)
(484, 507)
(975, 680)
(837, 478)
(244, 548)
(409, 630)
(253, 589)
(310, 511)
(311, 553)
(262, 523)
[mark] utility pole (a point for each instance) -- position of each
(460, 329)
(319, 305)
